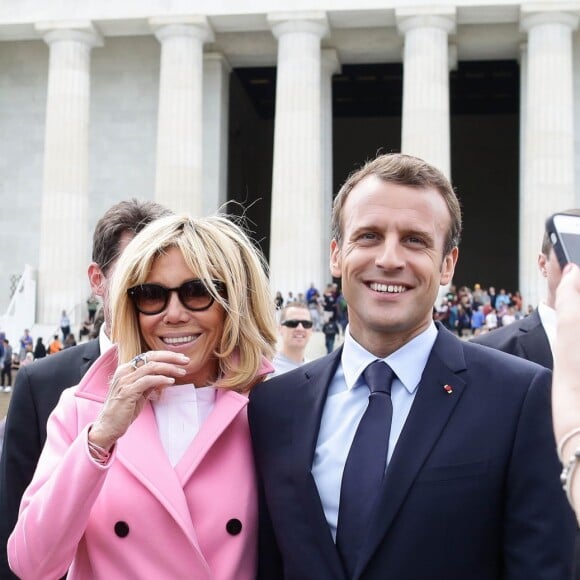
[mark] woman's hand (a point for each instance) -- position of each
(567, 302)
(566, 381)
(130, 388)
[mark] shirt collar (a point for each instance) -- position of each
(104, 341)
(408, 362)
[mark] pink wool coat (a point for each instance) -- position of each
(138, 517)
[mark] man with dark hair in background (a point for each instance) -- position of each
(533, 337)
(38, 386)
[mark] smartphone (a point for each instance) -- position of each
(564, 232)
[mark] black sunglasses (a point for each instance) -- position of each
(294, 323)
(153, 298)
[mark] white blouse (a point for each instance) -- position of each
(180, 412)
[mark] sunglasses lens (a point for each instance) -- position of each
(153, 298)
(294, 323)
(195, 296)
(149, 298)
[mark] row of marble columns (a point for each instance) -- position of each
(302, 178)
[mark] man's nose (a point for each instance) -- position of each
(390, 254)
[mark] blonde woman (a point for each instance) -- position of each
(147, 471)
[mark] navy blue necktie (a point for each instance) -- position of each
(365, 465)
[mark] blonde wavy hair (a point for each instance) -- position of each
(214, 248)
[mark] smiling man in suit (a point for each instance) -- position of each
(38, 386)
(404, 454)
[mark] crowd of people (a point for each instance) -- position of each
(11, 361)
(405, 453)
(470, 312)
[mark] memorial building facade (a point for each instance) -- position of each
(270, 104)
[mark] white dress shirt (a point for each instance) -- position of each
(548, 319)
(104, 341)
(346, 403)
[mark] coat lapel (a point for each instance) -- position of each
(140, 450)
(308, 413)
(228, 406)
(142, 453)
(430, 413)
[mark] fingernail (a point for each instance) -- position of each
(184, 357)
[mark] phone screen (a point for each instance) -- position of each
(571, 243)
(564, 232)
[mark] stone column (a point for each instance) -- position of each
(425, 122)
(178, 181)
(523, 60)
(216, 99)
(296, 240)
(548, 153)
(330, 67)
(64, 235)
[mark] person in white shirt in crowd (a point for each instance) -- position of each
(491, 320)
(295, 330)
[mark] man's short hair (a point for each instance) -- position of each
(284, 310)
(546, 243)
(126, 216)
(402, 170)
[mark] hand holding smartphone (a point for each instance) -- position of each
(564, 232)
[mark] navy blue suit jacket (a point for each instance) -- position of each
(525, 338)
(472, 491)
(36, 392)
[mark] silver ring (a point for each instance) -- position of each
(139, 360)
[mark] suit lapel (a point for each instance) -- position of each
(430, 413)
(534, 341)
(90, 355)
(307, 416)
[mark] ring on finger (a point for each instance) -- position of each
(139, 361)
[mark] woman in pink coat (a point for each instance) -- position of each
(147, 471)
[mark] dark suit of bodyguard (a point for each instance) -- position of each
(470, 489)
(38, 386)
(37, 390)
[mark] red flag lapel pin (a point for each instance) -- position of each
(448, 389)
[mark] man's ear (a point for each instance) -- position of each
(542, 264)
(96, 279)
(448, 266)
(335, 260)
